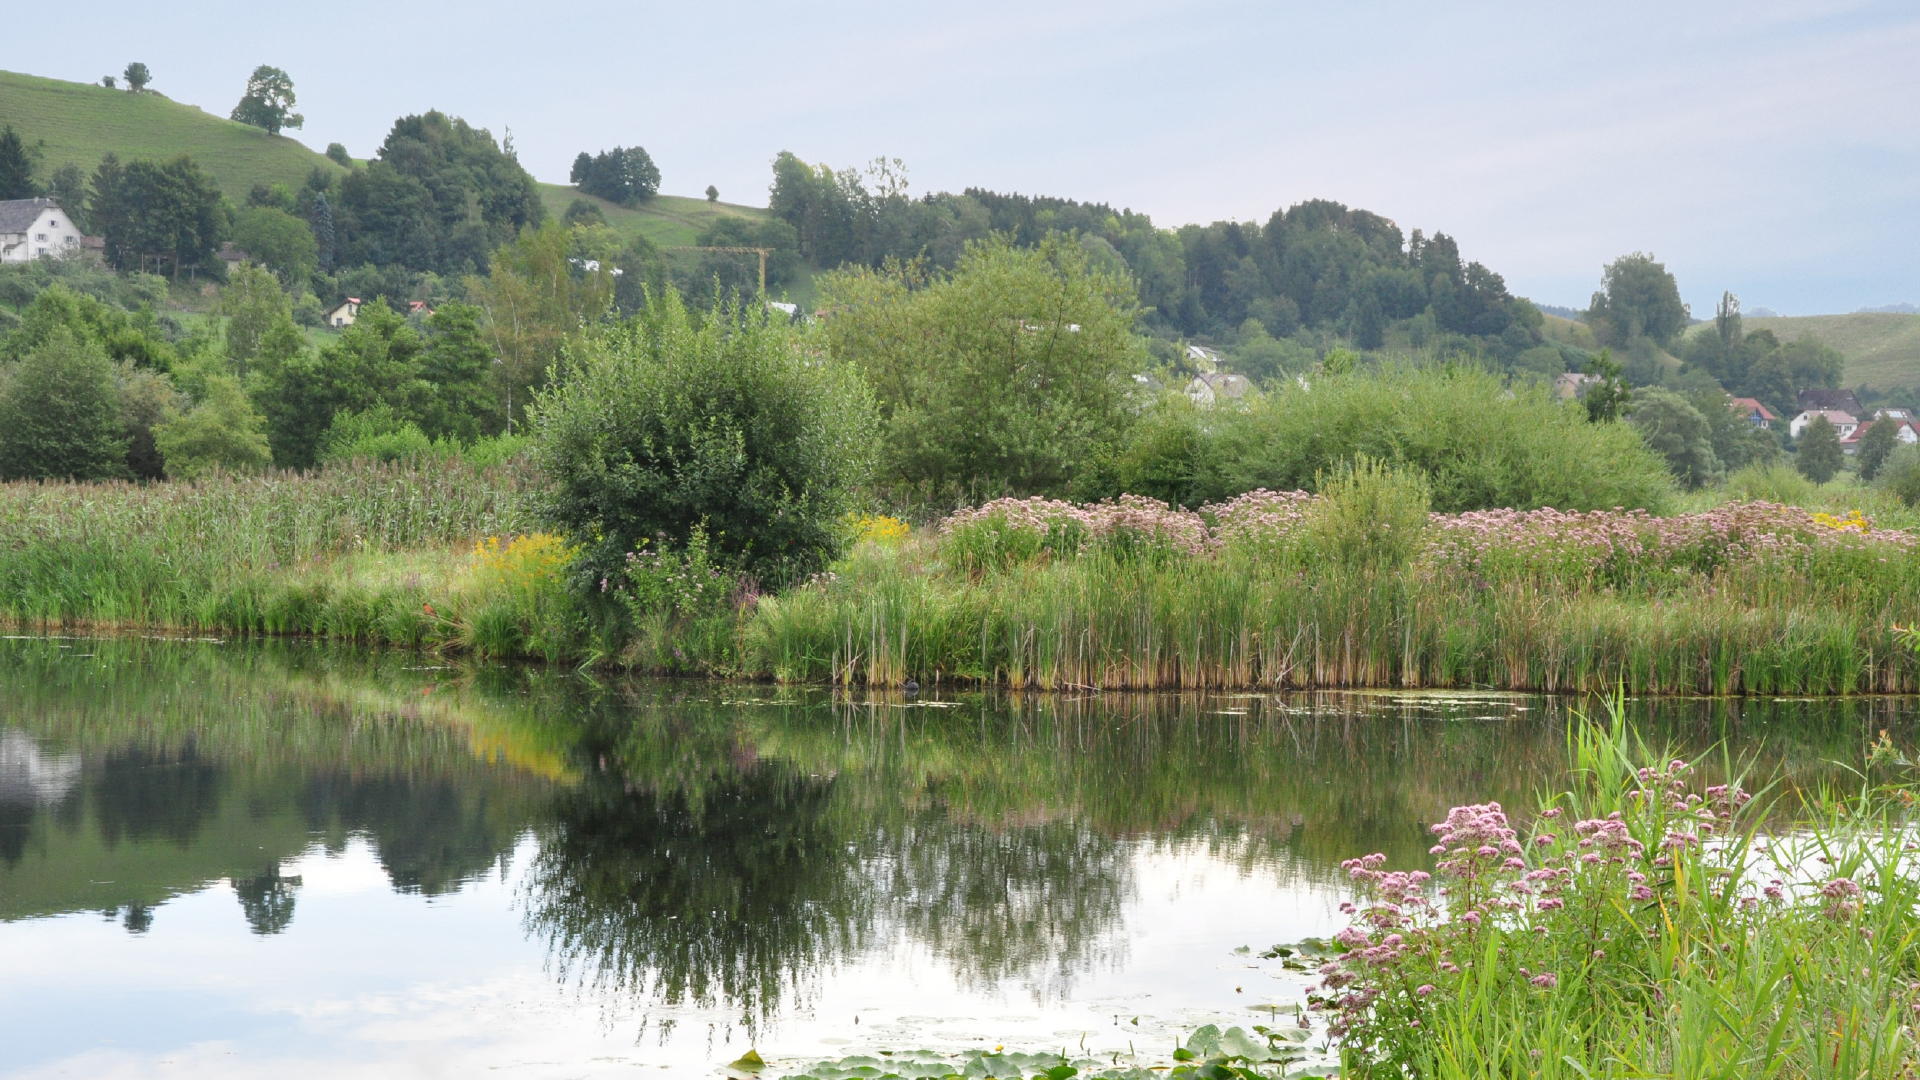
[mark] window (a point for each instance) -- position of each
(42, 237)
(54, 223)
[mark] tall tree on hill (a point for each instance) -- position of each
(137, 77)
(268, 102)
(320, 220)
(16, 166)
(1638, 298)
(440, 195)
(1819, 455)
(68, 187)
(623, 175)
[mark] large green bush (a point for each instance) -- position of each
(729, 421)
(1478, 443)
(60, 413)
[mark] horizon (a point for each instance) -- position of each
(1763, 150)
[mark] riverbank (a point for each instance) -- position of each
(1269, 591)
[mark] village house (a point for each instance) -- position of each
(1215, 386)
(1842, 422)
(1906, 430)
(343, 313)
(1829, 401)
(1755, 413)
(1573, 385)
(36, 229)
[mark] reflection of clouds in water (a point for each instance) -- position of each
(30, 776)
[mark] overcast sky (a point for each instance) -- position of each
(1765, 147)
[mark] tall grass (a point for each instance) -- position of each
(272, 553)
(1644, 925)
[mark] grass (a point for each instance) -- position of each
(667, 220)
(1643, 924)
(79, 122)
(1882, 350)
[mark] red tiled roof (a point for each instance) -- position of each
(1750, 406)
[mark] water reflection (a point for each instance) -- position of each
(726, 849)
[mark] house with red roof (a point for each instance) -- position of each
(1906, 429)
(1755, 413)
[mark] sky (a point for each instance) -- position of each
(1765, 147)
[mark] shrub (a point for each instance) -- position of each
(1776, 482)
(727, 423)
(60, 414)
(1478, 443)
(520, 602)
(377, 433)
(1900, 476)
(221, 432)
(1370, 517)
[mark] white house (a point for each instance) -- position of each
(36, 229)
(343, 313)
(1210, 387)
(1843, 423)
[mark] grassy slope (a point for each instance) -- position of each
(79, 122)
(667, 220)
(1882, 351)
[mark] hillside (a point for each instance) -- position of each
(1882, 351)
(79, 122)
(667, 220)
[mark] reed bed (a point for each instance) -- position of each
(260, 553)
(1751, 598)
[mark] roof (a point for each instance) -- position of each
(1898, 423)
(1749, 405)
(1827, 400)
(17, 214)
(1834, 416)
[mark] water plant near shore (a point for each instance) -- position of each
(1642, 924)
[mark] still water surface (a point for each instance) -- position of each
(294, 860)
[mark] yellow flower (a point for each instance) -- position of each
(878, 528)
(1855, 521)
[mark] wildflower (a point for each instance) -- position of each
(1424, 989)
(1546, 980)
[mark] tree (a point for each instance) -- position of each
(536, 301)
(713, 193)
(622, 175)
(137, 77)
(1819, 455)
(156, 215)
(1606, 398)
(320, 224)
(440, 195)
(1878, 444)
(1011, 375)
(268, 102)
(1736, 441)
(16, 166)
(67, 187)
(1638, 297)
(666, 425)
(60, 414)
(1677, 431)
(337, 153)
(284, 243)
(221, 433)
(459, 366)
(252, 302)
(147, 401)
(584, 212)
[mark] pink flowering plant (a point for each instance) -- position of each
(1642, 917)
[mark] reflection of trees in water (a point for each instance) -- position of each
(429, 834)
(1037, 903)
(164, 793)
(736, 890)
(267, 899)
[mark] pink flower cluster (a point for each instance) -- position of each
(1259, 515)
(1129, 515)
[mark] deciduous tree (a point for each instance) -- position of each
(1819, 456)
(60, 414)
(268, 102)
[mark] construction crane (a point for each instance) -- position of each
(762, 252)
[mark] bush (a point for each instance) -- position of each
(668, 424)
(60, 414)
(377, 434)
(1477, 442)
(222, 432)
(1777, 483)
(1371, 516)
(1900, 476)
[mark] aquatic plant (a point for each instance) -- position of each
(1645, 923)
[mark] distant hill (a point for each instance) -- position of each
(1882, 349)
(78, 122)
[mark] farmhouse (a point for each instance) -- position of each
(343, 313)
(1844, 423)
(1905, 430)
(1755, 413)
(35, 229)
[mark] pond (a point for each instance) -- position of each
(232, 859)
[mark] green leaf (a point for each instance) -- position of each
(749, 1061)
